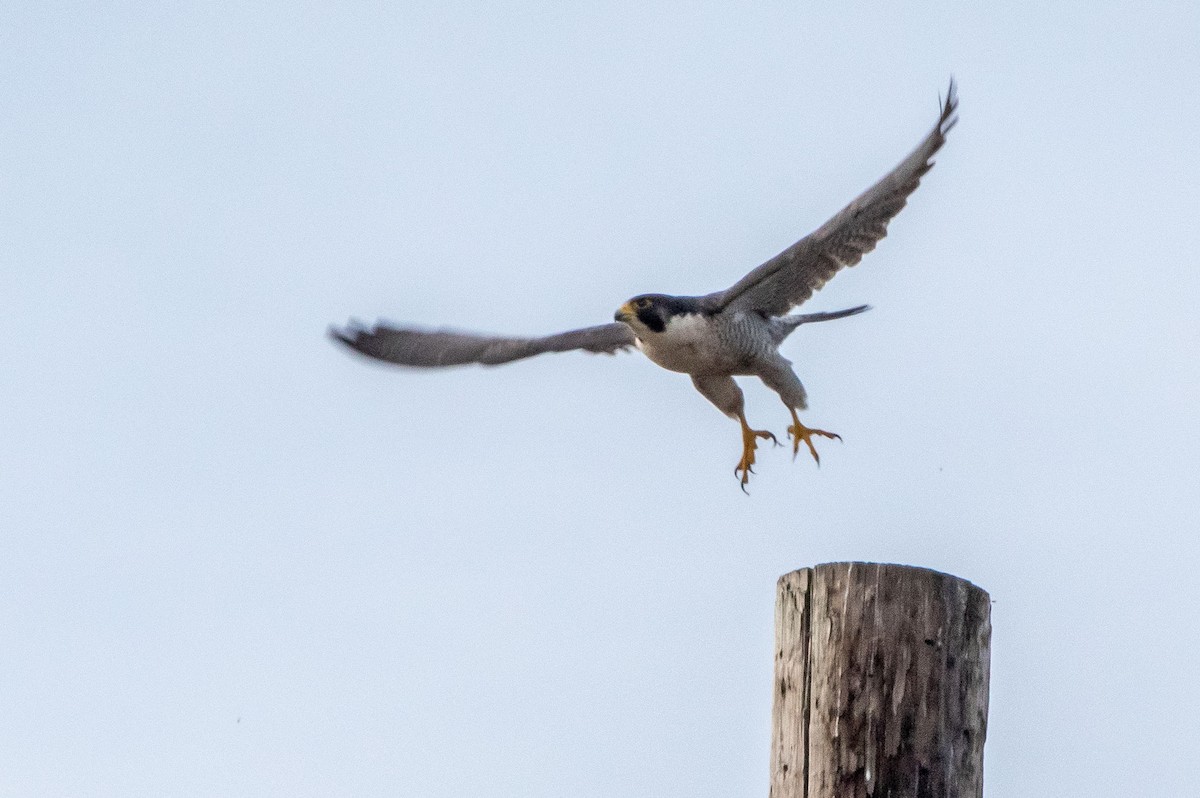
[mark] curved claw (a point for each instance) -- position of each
(745, 466)
(798, 432)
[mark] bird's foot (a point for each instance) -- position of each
(750, 438)
(798, 432)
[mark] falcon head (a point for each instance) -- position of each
(653, 312)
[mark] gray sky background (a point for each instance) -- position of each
(237, 561)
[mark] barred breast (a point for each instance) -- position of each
(724, 344)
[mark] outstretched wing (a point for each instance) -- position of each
(409, 346)
(791, 277)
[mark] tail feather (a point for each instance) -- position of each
(804, 318)
(786, 324)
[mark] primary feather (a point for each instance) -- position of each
(791, 277)
(412, 346)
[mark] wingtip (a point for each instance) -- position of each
(347, 335)
(948, 107)
(951, 94)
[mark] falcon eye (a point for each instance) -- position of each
(643, 303)
(652, 320)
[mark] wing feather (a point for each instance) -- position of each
(791, 277)
(412, 346)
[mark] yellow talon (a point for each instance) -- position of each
(749, 444)
(799, 432)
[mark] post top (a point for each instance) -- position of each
(894, 570)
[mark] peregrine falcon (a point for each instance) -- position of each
(713, 338)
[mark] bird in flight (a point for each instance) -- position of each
(713, 338)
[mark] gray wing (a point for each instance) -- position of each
(791, 277)
(410, 346)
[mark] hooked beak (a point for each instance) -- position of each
(624, 313)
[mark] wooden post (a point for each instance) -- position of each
(881, 683)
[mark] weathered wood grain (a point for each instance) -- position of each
(881, 683)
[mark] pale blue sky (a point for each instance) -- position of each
(237, 561)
